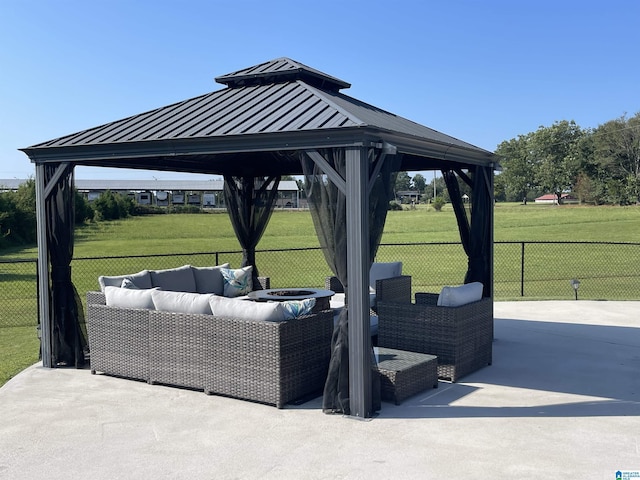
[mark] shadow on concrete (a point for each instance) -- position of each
(542, 369)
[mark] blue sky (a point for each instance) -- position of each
(482, 71)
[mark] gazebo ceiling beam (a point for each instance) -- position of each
(60, 171)
(328, 170)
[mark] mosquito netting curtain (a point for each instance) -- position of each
(328, 205)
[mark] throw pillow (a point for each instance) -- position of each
(209, 279)
(128, 298)
(246, 310)
(181, 302)
(297, 308)
(237, 282)
(128, 283)
(457, 296)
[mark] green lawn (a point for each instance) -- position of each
(159, 234)
(19, 347)
(166, 234)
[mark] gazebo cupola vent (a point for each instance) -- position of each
(282, 70)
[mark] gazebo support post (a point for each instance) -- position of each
(357, 196)
(43, 270)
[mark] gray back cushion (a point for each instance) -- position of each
(380, 271)
(141, 280)
(179, 279)
(209, 279)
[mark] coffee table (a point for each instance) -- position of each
(283, 294)
(403, 374)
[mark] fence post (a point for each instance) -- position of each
(522, 269)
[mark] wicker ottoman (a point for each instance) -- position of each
(403, 374)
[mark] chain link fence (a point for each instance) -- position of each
(18, 293)
(522, 271)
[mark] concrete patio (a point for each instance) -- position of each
(561, 400)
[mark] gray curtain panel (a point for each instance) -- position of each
(250, 202)
(451, 181)
(475, 234)
(328, 211)
(68, 328)
(480, 232)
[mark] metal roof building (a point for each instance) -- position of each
(148, 185)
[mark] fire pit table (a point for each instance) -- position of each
(283, 294)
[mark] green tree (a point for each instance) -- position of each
(590, 184)
(584, 188)
(616, 152)
(112, 206)
(440, 189)
(499, 188)
(518, 167)
(555, 150)
(18, 215)
(419, 182)
(83, 209)
(7, 210)
(403, 182)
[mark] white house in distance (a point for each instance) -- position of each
(553, 199)
(200, 193)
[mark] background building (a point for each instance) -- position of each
(162, 193)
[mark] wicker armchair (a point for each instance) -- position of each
(394, 289)
(461, 337)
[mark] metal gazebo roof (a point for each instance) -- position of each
(281, 105)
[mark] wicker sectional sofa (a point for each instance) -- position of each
(272, 362)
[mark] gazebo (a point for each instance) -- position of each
(277, 118)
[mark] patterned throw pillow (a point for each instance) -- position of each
(297, 308)
(128, 283)
(237, 282)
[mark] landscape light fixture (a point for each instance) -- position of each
(575, 284)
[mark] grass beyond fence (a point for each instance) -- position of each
(289, 254)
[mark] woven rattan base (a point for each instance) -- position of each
(403, 374)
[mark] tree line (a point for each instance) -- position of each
(598, 166)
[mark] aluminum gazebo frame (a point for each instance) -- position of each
(258, 125)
